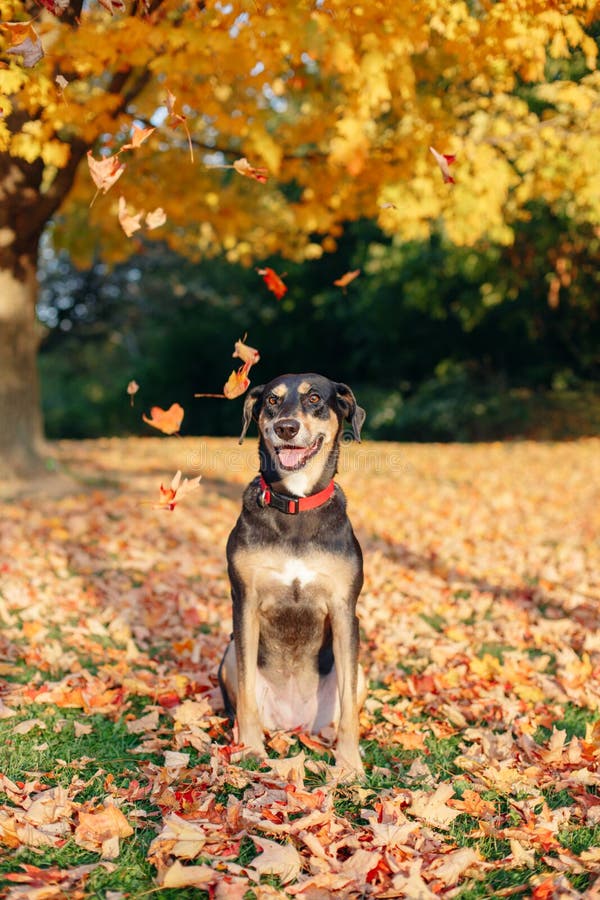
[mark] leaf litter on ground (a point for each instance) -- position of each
(480, 733)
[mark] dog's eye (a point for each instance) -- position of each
(314, 398)
(272, 400)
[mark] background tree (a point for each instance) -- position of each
(339, 102)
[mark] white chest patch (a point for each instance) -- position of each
(295, 570)
(298, 483)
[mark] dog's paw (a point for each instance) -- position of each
(350, 767)
(253, 745)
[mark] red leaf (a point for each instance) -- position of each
(273, 282)
(444, 161)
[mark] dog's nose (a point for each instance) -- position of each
(287, 429)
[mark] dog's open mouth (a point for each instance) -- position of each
(291, 457)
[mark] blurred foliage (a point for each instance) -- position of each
(440, 342)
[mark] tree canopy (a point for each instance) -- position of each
(339, 102)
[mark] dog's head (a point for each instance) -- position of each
(300, 419)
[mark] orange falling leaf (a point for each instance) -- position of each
(166, 420)
(243, 167)
(130, 222)
(138, 136)
(273, 282)
(156, 218)
(237, 383)
(245, 353)
(171, 496)
(132, 389)
(345, 279)
(444, 161)
(105, 171)
(177, 119)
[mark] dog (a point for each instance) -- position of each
(296, 572)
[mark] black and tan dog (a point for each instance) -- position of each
(296, 572)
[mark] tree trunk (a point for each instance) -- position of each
(21, 433)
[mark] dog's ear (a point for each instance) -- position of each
(249, 413)
(350, 409)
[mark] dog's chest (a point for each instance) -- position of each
(279, 576)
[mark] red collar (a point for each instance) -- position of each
(292, 505)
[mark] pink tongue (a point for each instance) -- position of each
(291, 456)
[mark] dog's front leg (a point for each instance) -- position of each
(246, 633)
(345, 651)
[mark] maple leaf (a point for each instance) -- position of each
(138, 136)
(237, 383)
(432, 806)
(276, 859)
(100, 830)
(156, 218)
(346, 279)
(444, 161)
(166, 420)
(243, 167)
(130, 222)
(170, 497)
(177, 119)
(105, 171)
(273, 282)
(132, 389)
(178, 875)
(245, 353)
(24, 41)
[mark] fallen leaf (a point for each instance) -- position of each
(149, 722)
(444, 161)
(26, 726)
(166, 420)
(100, 829)
(431, 806)
(282, 860)
(454, 864)
(273, 282)
(178, 875)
